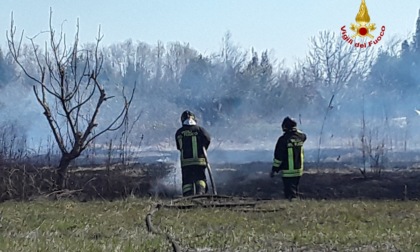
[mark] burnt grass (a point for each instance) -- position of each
(329, 182)
(323, 183)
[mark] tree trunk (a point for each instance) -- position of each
(62, 171)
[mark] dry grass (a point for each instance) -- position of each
(73, 226)
(21, 181)
(341, 212)
(301, 226)
(306, 225)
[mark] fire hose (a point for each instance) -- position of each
(199, 201)
(213, 186)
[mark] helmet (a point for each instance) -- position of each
(288, 124)
(187, 114)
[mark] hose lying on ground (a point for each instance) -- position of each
(151, 228)
(215, 201)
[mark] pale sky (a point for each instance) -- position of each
(283, 27)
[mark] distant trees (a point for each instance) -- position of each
(386, 79)
(416, 38)
(396, 75)
(7, 69)
(258, 85)
(196, 78)
(330, 65)
(234, 86)
(68, 88)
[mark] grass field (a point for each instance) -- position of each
(307, 225)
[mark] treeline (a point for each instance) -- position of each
(336, 84)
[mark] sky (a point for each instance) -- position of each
(281, 27)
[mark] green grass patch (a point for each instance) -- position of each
(73, 226)
(120, 226)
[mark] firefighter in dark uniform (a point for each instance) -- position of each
(190, 141)
(288, 157)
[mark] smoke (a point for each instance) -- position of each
(18, 106)
(241, 97)
(170, 185)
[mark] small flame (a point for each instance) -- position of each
(363, 15)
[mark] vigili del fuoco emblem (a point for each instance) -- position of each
(362, 29)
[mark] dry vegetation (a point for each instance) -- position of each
(22, 182)
(337, 183)
(341, 211)
(25, 181)
(308, 225)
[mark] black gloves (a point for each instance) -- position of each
(271, 174)
(275, 169)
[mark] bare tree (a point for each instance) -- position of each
(331, 64)
(68, 89)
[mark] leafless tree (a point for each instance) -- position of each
(331, 64)
(67, 88)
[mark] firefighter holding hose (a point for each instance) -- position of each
(192, 141)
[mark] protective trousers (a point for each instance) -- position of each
(291, 187)
(194, 180)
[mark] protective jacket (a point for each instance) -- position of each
(289, 154)
(190, 140)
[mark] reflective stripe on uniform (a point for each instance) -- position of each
(187, 188)
(193, 161)
(291, 170)
(201, 183)
(290, 159)
(301, 159)
(292, 173)
(276, 162)
(194, 146)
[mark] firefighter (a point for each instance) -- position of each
(190, 141)
(288, 157)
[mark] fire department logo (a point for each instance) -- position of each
(362, 29)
